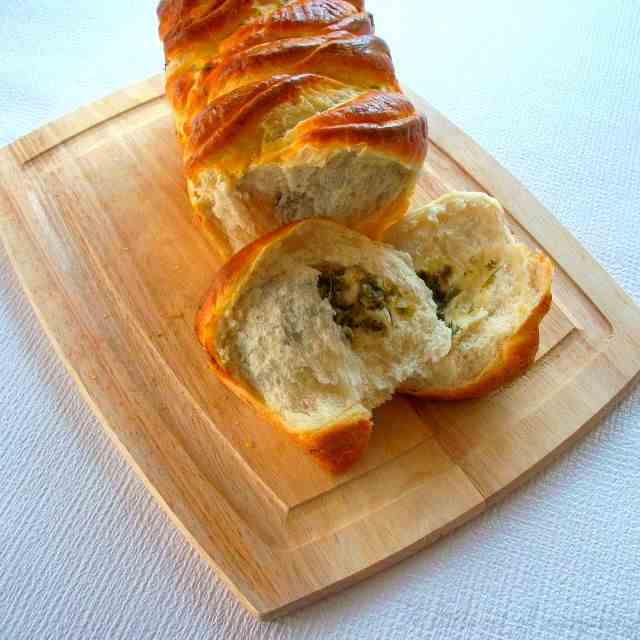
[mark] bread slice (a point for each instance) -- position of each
(491, 290)
(315, 325)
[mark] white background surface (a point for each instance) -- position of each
(552, 89)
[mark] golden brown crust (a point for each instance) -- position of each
(171, 12)
(299, 19)
(337, 446)
(184, 23)
(178, 89)
(238, 114)
(232, 62)
(516, 354)
(361, 61)
(385, 122)
(176, 14)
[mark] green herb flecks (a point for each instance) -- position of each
(494, 266)
(362, 301)
(455, 329)
(443, 293)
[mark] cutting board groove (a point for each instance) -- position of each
(95, 218)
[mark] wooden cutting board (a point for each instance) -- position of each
(96, 220)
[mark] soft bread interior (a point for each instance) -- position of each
(345, 186)
(310, 361)
(486, 284)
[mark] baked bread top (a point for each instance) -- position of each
(288, 110)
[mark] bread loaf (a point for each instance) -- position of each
(287, 110)
(315, 325)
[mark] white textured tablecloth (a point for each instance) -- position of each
(552, 89)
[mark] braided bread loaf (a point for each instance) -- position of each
(288, 109)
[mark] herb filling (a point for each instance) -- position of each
(443, 293)
(361, 300)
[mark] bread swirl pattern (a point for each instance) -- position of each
(286, 110)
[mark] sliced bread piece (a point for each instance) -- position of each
(491, 291)
(315, 325)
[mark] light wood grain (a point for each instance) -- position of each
(95, 218)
